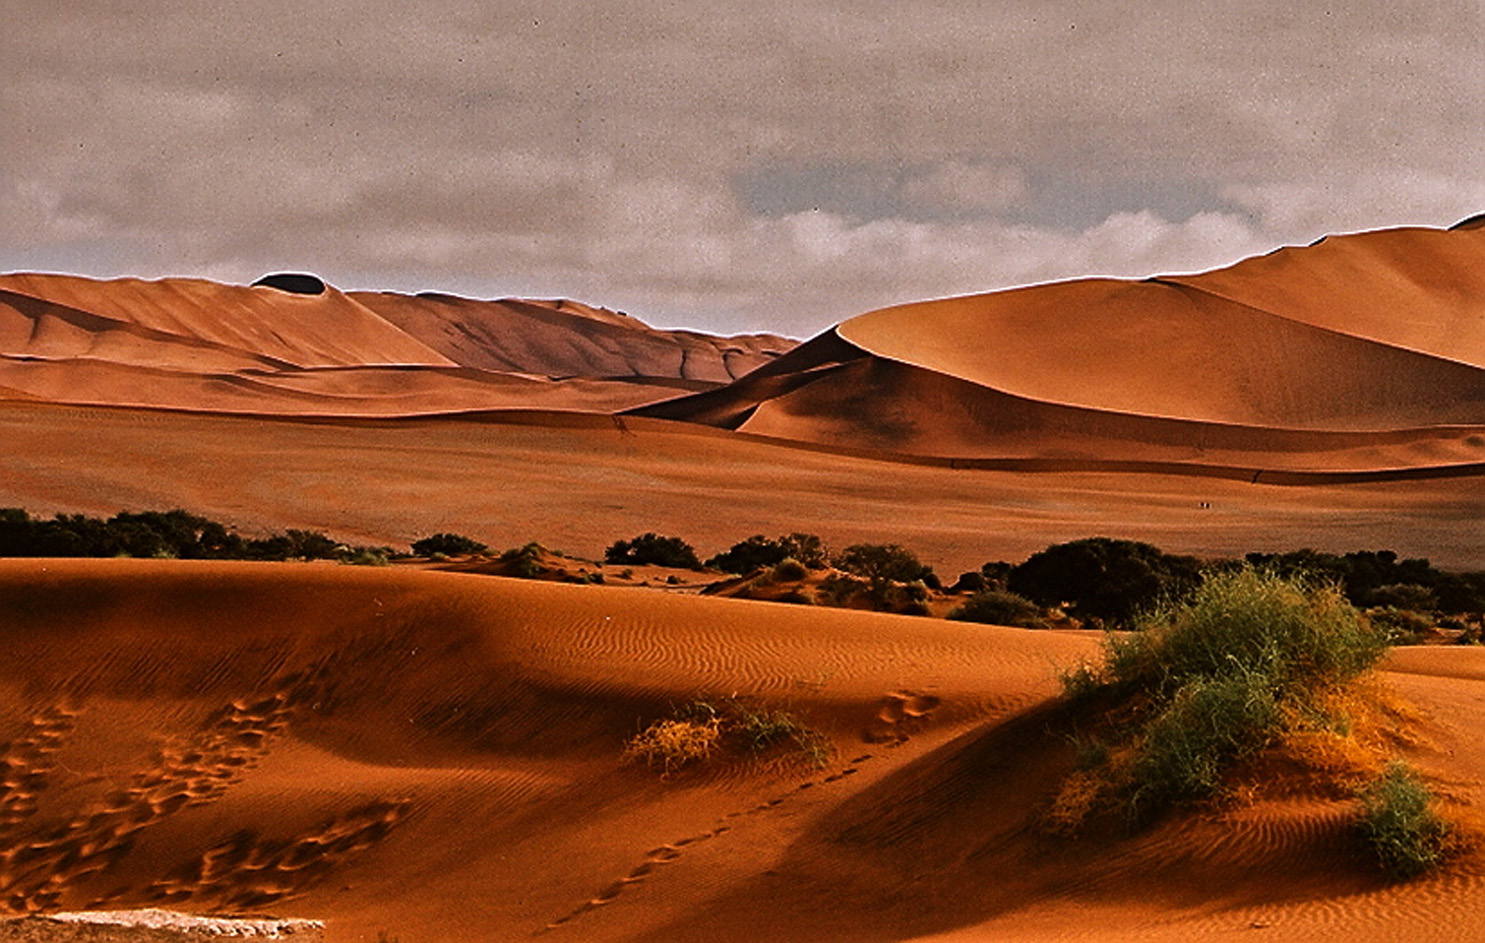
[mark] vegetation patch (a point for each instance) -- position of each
(1251, 661)
(998, 607)
(1400, 823)
(707, 729)
(653, 549)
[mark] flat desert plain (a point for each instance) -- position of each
(430, 756)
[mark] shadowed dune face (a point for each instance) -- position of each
(292, 345)
(1297, 360)
(438, 757)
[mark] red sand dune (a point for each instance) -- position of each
(437, 757)
(194, 344)
(1255, 366)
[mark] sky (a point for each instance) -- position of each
(724, 166)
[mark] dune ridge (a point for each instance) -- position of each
(1289, 363)
(196, 344)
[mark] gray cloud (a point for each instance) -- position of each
(732, 166)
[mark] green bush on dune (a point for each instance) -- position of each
(1210, 680)
(1400, 824)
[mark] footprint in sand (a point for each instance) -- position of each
(900, 715)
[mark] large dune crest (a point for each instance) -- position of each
(1309, 359)
(196, 344)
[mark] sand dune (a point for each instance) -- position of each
(436, 756)
(1245, 367)
(195, 344)
(566, 338)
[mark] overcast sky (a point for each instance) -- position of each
(727, 166)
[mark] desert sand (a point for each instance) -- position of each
(439, 756)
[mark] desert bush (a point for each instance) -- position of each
(453, 545)
(677, 741)
(1401, 626)
(1108, 580)
(971, 582)
(789, 570)
(1211, 679)
(758, 552)
(698, 730)
(995, 607)
(524, 561)
(1408, 596)
(882, 563)
(652, 549)
(365, 556)
(1400, 824)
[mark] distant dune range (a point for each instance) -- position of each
(1177, 409)
(193, 344)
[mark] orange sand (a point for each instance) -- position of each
(436, 756)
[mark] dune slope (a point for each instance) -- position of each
(1291, 361)
(195, 344)
(437, 757)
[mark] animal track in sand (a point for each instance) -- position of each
(38, 864)
(25, 765)
(247, 871)
(899, 716)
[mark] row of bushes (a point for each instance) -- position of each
(175, 534)
(1096, 580)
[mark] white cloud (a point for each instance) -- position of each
(568, 148)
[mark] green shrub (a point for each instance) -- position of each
(366, 556)
(1253, 623)
(789, 570)
(758, 552)
(453, 545)
(652, 549)
(1398, 821)
(1111, 581)
(524, 561)
(1401, 626)
(995, 607)
(882, 563)
(1212, 679)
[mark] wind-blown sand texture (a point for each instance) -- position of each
(437, 756)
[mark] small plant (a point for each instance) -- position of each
(1398, 821)
(702, 729)
(995, 607)
(675, 742)
(524, 561)
(1402, 626)
(365, 556)
(759, 552)
(788, 570)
